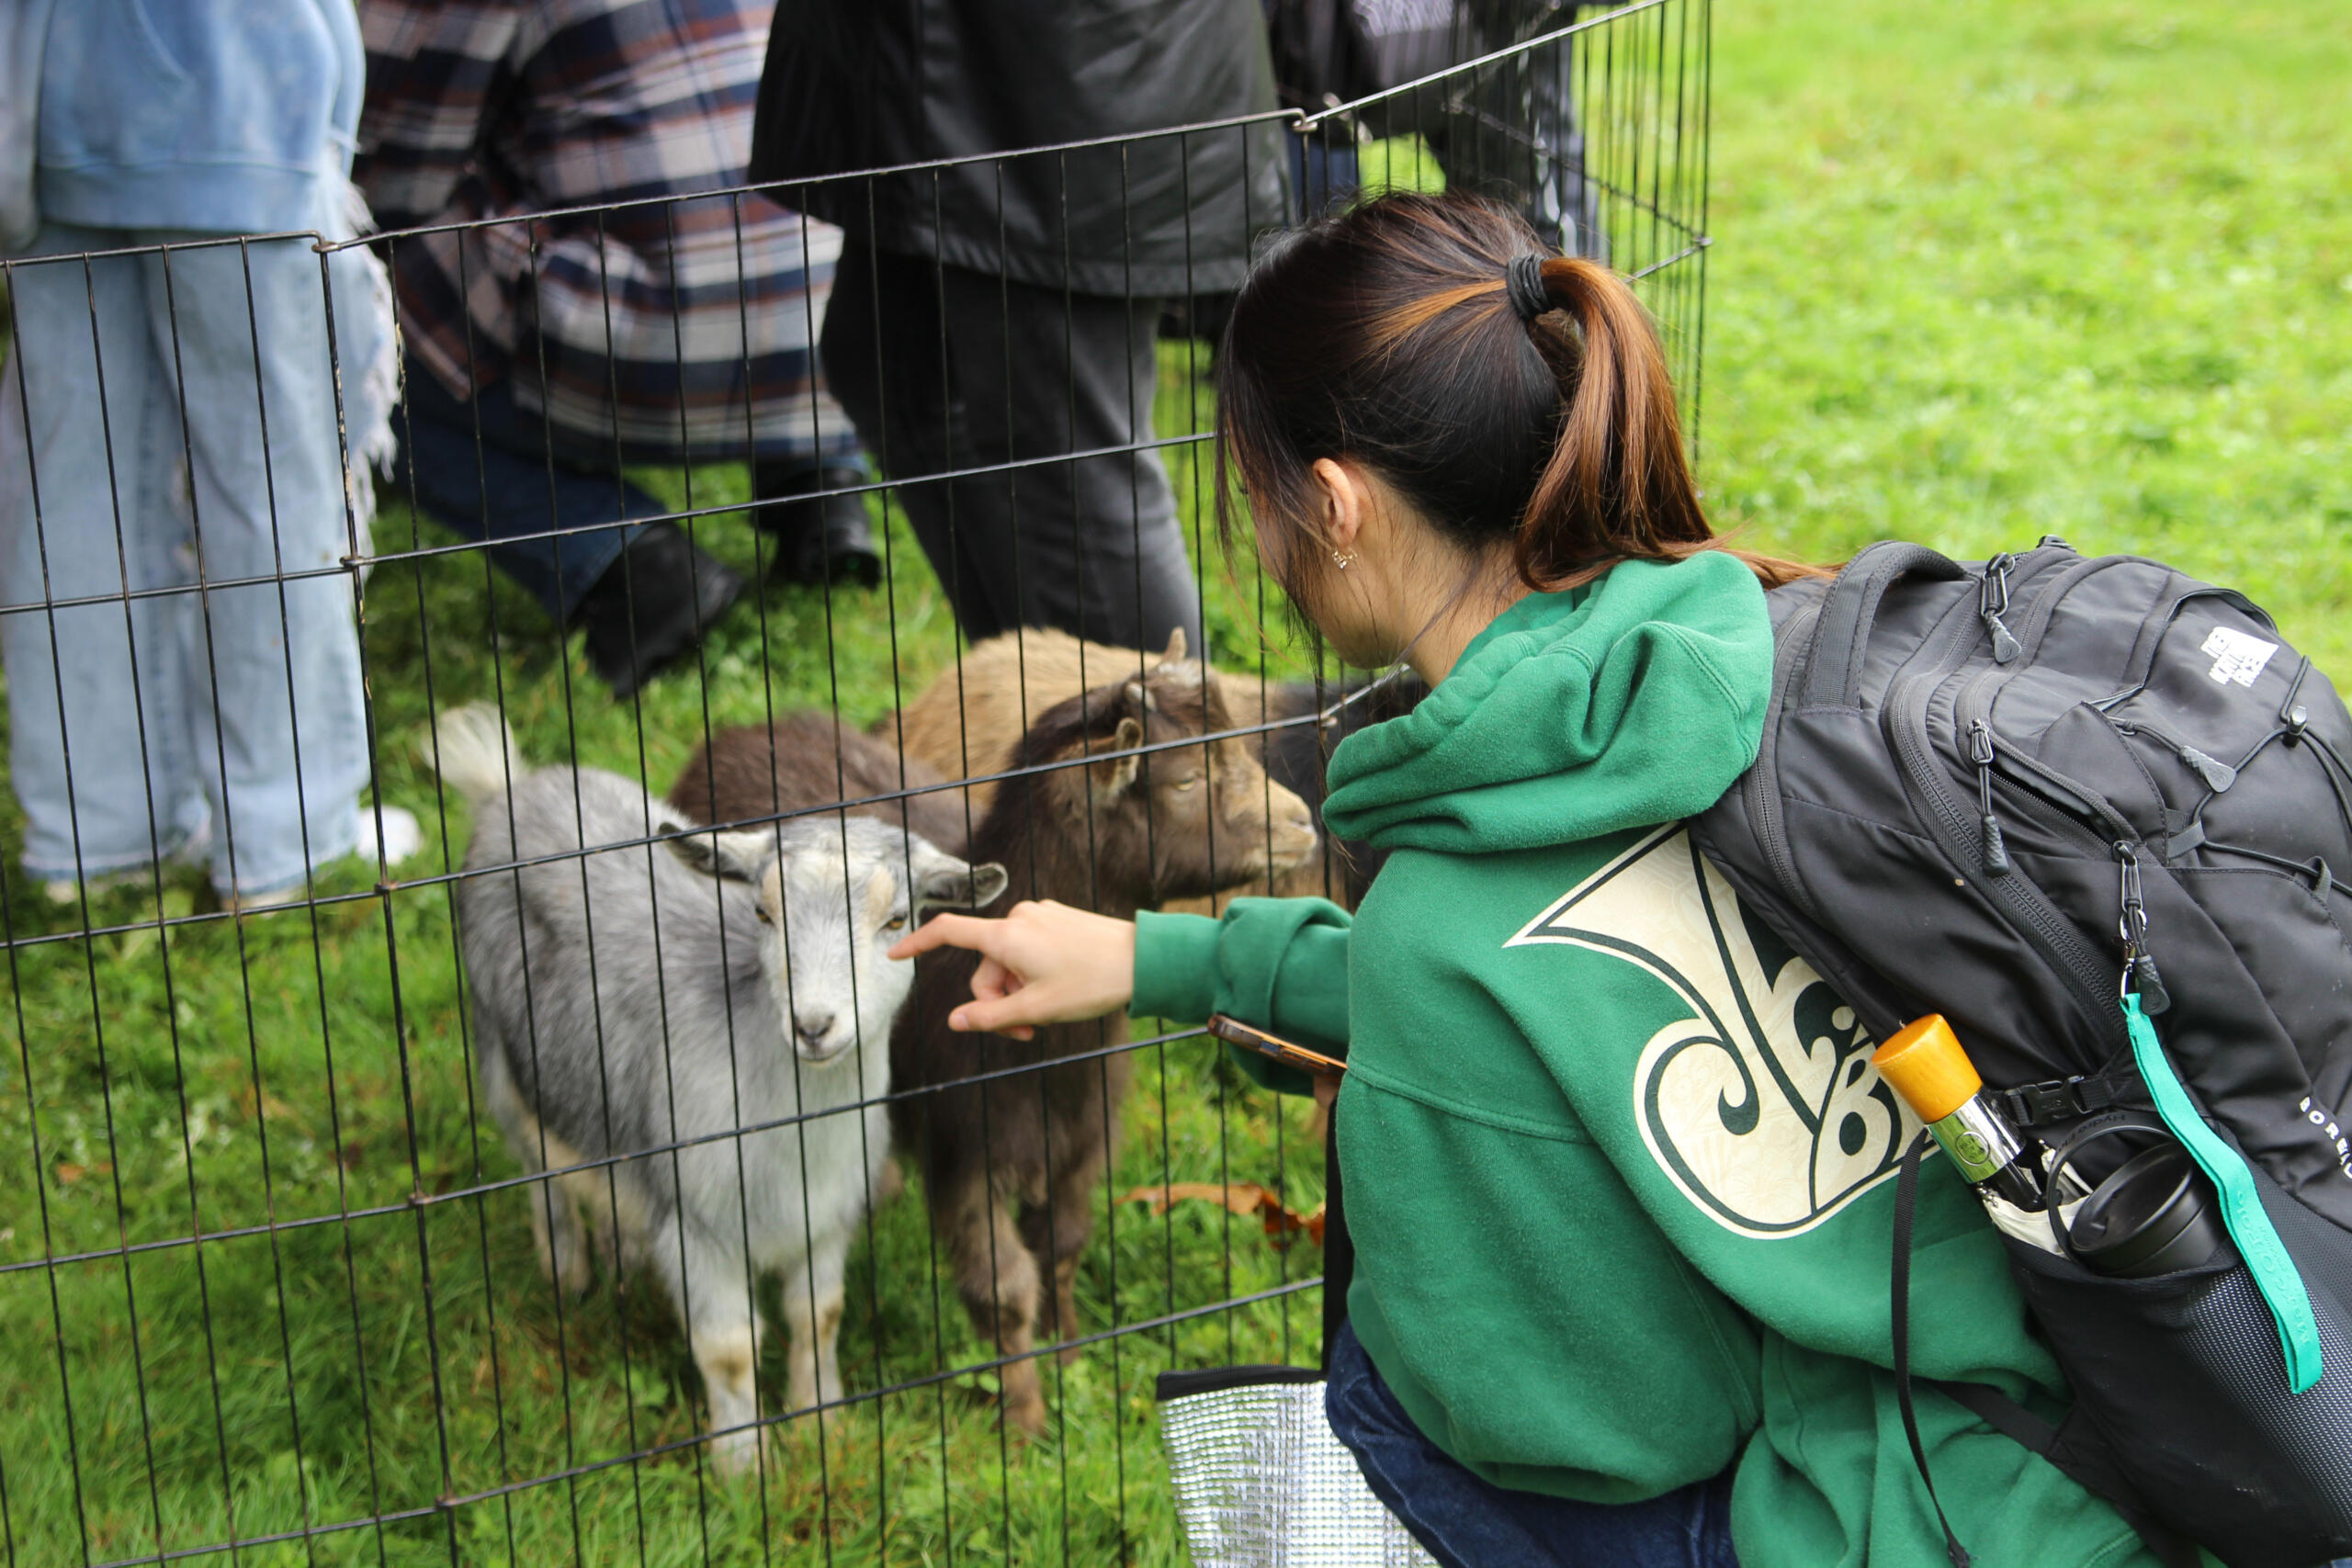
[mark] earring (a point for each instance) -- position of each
(1344, 561)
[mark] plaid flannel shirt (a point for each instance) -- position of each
(683, 327)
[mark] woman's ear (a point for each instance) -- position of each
(1342, 502)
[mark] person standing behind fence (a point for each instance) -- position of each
(1000, 313)
(168, 419)
(544, 355)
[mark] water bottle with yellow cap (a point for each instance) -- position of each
(1925, 1062)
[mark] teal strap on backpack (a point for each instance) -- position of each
(2257, 1241)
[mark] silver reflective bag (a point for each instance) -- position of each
(1261, 1482)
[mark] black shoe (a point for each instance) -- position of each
(652, 606)
(818, 539)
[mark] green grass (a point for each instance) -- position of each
(1987, 270)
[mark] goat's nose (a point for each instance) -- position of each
(813, 1026)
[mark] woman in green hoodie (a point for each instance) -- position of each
(1618, 1171)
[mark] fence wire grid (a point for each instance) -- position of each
(337, 1226)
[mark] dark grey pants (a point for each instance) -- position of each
(946, 370)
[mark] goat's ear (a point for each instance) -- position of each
(1175, 647)
(943, 880)
(735, 857)
(1114, 775)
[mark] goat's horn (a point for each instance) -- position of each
(1176, 646)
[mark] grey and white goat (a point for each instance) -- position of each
(682, 1031)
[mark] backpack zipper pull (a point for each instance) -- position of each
(2139, 968)
(2218, 775)
(1980, 751)
(1992, 598)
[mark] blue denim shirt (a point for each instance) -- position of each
(221, 115)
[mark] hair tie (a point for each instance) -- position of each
(1523, 281)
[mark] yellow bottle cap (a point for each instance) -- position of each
(1926, 1063)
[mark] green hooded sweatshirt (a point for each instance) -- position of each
(1618, 1171)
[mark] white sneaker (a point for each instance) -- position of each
(402, 837)
(65, 890)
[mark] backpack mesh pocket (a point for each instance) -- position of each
(2267, 1481)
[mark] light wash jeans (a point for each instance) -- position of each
(135, 721)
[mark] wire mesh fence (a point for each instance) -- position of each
(576, 1182)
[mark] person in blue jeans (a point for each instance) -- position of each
(177, 502)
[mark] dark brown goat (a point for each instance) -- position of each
(1116, 835)
(808, 759)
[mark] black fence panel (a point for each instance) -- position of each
(420, 1146)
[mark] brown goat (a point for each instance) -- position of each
(965, 721)
(1295, 755)
(1009, 1166)
(808, 758)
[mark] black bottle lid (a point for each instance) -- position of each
(2154, 1216)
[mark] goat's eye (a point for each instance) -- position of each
(761, 910)
(1188, 781)
(895, 923)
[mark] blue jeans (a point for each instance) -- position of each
(1465, 1522)
(168, 419)
(522, 477)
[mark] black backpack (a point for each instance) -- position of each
(2012, 793)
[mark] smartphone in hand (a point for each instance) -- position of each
(1255, 1038)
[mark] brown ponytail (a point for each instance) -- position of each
(1387, 334)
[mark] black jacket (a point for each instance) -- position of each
(856, 85)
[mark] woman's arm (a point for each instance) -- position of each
(1281, 964)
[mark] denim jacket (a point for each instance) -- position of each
(220, 116)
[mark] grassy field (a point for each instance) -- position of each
(1985, 270)
(1989, 271)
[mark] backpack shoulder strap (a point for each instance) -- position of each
(1907, 1196)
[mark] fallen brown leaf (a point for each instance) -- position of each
(270, 1105)
(1237, 1196)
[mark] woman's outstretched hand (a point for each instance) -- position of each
(1044, 962)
